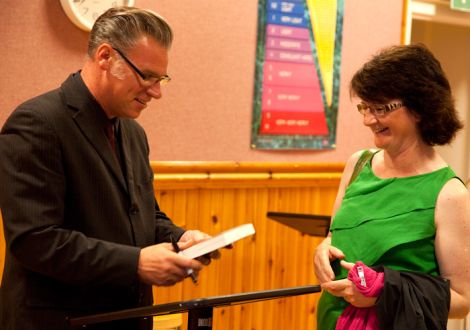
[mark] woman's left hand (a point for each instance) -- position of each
(347, 290)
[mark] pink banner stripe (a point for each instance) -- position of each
(290, 74)
(288, 44)
(287, 56)
(283, 31)
(292, 99)
(302, 123)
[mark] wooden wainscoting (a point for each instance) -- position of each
(214, 196)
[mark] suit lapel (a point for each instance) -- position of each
(97, 138)
(89, 117)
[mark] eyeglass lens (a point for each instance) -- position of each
(378, 109)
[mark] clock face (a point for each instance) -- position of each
(83, 13)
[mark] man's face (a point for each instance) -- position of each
(127, 92)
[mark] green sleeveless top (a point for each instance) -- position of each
(386, 222)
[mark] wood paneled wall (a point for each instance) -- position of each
(215, 196)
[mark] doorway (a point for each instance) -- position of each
(446, 33)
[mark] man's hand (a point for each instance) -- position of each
(194, 237)
(160, 265)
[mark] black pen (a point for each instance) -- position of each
(177, 250)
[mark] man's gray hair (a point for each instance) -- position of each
(123, 27)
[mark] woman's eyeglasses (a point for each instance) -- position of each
(379, 110)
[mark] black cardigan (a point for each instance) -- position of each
(413, 301)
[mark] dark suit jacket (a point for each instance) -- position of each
(74, 221)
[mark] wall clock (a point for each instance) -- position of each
(83, 13)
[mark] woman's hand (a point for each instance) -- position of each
(348, 291)
(324, 254)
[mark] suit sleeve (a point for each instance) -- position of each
(32, 198)
(165, 227)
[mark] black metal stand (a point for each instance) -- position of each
(200, 310)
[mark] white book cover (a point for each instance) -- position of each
(219, 241)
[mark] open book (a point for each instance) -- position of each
(219, 241)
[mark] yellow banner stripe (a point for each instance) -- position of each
(323, 20)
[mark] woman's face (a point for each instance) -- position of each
(394, 127)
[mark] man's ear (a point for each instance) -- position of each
(103, 56)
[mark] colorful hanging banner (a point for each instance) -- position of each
(297, 74)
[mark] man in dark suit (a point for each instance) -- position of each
(84, 232)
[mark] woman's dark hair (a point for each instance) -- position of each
(413, 75)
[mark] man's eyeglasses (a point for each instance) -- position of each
(151, 80)
(379, 110)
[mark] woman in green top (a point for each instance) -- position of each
(404, 207)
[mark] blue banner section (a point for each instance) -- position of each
(287, 7)
(283, 19)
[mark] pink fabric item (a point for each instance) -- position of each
(370, 284)
(374, 281)
(358, 319)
